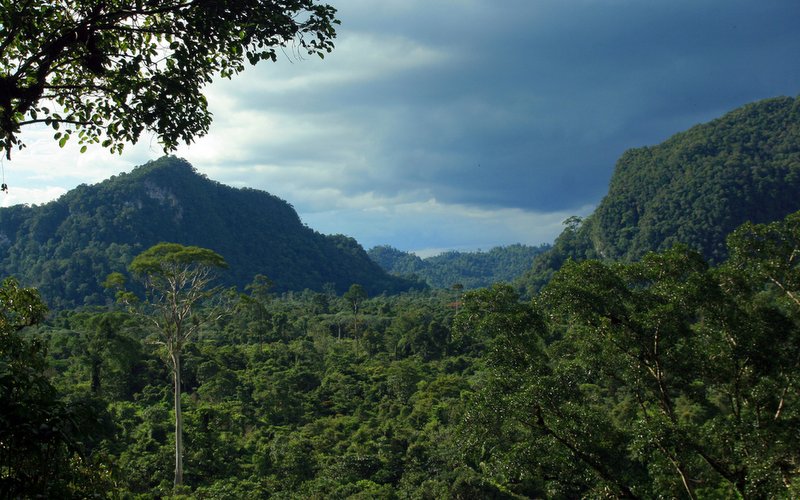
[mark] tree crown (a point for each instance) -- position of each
(161, 256)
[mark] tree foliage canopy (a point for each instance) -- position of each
(43, 437)
(666, 377)
(176, 278)
(110, 69)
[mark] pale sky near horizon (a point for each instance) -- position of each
(463, 124)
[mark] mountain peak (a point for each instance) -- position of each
(169, 163)
(66, 248)
(694, 188)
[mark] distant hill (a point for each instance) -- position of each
(67, 247)
(694, 188)
(469, 269)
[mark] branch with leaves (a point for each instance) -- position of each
(108, 70)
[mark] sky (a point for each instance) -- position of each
(462, 124)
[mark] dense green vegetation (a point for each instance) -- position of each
(468, 269)
(694, 188)
(666, 374)
(48, 440)
(67, 247)
(666, 377)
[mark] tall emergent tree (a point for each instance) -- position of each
(110, 69)
(176, 280)
(354, 296)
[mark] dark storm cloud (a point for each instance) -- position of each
(471, 123)
(537, 99)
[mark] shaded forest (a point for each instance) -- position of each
(633, 380)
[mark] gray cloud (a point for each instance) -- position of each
(527, 104)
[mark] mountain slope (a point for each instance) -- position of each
(469, 269)
(67, 247)
(694, 188)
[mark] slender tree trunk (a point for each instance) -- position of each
(95, 384)
(355, 328)
(176, 365)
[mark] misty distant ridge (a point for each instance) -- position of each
(468, 269)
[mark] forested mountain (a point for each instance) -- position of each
(694, 188)
(67, 247)
(469, 269)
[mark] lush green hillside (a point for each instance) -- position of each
(469, 269)
(694, 188)
(639, 380)
(67, 247)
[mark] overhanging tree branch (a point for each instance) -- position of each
(96, 54)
